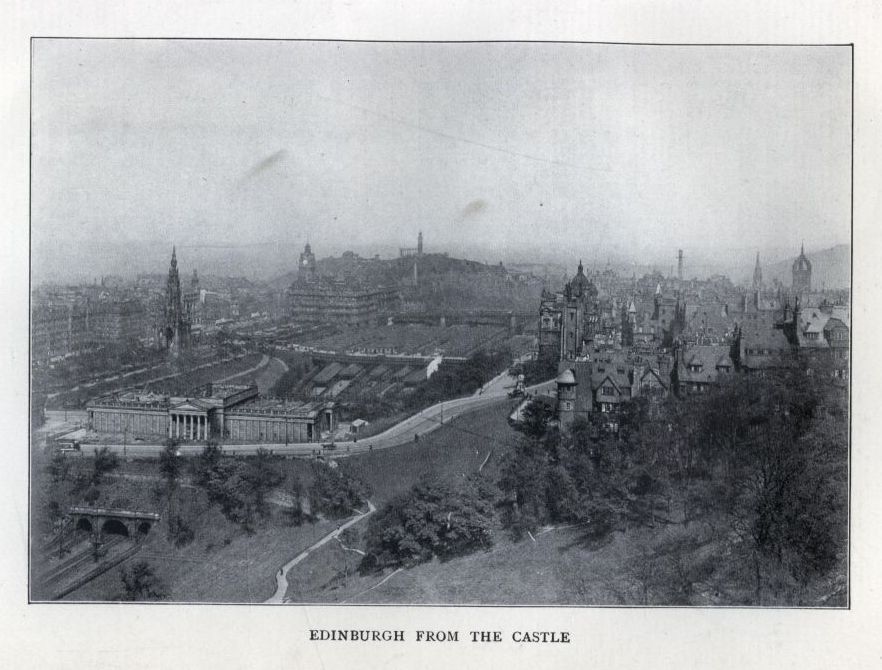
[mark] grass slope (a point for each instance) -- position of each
(453, 451)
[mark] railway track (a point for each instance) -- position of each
(74, 563)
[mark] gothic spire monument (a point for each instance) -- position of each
(757, 274)
(175, 332)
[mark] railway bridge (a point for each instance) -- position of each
(101, 521)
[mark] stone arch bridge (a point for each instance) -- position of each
(101, 521)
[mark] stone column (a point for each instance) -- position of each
(170, 423)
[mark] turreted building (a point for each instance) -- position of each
(566, 320)
(802, 273)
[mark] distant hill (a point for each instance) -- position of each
(831, 268)
(391, 270)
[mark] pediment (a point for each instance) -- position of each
(187, 406)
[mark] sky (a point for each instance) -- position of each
(238, 152)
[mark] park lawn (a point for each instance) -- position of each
(451, 452)
(552, 570)
(558, 567)
(327, 575)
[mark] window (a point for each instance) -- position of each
(607, 390)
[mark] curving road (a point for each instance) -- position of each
(422, 422)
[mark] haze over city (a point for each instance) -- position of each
(240, 152)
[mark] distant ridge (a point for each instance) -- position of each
(831, 268)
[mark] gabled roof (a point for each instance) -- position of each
(649, 372)
(710, 358)
(611, 380)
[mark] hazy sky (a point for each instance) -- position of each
(590, 149)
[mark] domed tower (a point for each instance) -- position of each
(580, 285)
(566, 398)
(802, 273)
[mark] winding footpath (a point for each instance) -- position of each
(282, 575)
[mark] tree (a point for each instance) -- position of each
(432, 519)
(333, 493)
(141, 583)
(238, 486)
(58, 468)
(536, 416)
(295, 513)
(205, 463)
(104, 461)
(523, 488)
(169, 463)
(263, 477)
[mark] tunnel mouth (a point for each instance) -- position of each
(115, 527)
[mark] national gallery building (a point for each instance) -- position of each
(212, 412)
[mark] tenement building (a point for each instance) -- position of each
(212, 412)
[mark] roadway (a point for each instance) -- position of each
(404, 432)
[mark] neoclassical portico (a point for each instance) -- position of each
(188, 422)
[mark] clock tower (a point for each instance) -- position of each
(306, 266)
